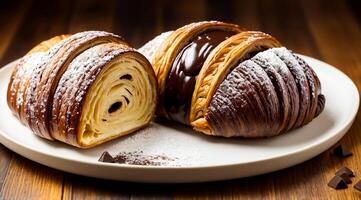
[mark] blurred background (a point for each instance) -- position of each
(23, 24)
(329, 30)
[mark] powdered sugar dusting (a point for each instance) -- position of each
(146, 142)
(41, 71)
(241, 105)
(149, 49)
(80, 74)
(301, 80)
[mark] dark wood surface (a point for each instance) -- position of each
(327, 30)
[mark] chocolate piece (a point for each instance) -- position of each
(106, 157)
(357, 186)
(341, 152)
(182, 75)
(337, 183)
(346, 178)
(345, 170)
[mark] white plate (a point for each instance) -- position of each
(196, 157)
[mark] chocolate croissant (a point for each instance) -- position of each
(226, 81)
(83, 89)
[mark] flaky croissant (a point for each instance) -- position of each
(226, 81)
(83, 89)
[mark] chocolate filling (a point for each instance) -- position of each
(127, 76)
(182, 76)
(114, 107)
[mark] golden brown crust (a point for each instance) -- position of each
(47, 44)
(50, 84)
(168, 50)
(248, 85)
(21, 75)
(69, 120)
(46, 75)
(218, 64)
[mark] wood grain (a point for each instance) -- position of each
(329, 31)
(26, 179)
(342, 49)
(29, 180)
(14, 14)
(295, 34)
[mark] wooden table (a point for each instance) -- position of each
(327, 30)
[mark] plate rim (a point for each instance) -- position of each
(10, 143)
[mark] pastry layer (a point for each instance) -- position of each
(265, 96)
(20, 78)
(47, 44)
(151, 47)
(218, 64)
(164, 49)
(245, 85)
(47, 73)
(103, 97)
(83, 89)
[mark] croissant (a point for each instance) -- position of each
(223, 80)
(83, 89)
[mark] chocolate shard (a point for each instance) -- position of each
(357, 186)
(345, 178)
(106, 157)
(341, 152)
(337, 183)
(345, 170)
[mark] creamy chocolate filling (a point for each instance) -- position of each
(182, 75)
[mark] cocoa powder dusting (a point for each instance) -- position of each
(139, 158)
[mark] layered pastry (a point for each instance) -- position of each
(223, 80)
(83, 89)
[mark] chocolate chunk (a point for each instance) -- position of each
(337, 183)
(357, 186)
(345, 170)
(341, 152)
(106, 157)
(346, 178)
